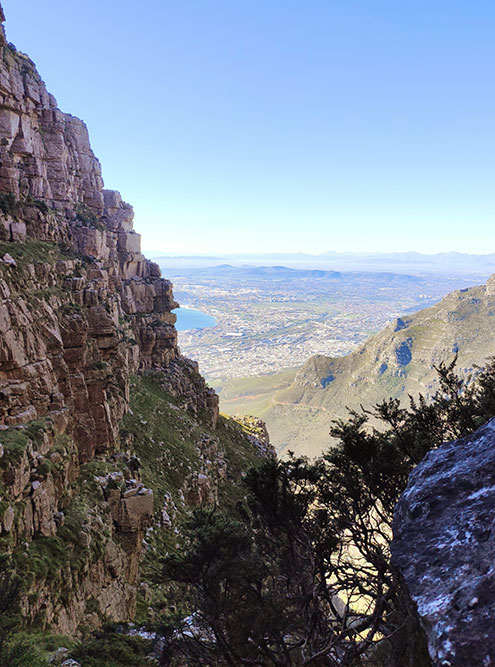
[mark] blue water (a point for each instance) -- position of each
(188, 318)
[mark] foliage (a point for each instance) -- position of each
(41, 205)
(8, 203)
(252, 579)
(23, 653)
(112, 649)
(34, 251)
(10, 587)
(85, 215)
(302, 575)
(15, 651)
(15, 441)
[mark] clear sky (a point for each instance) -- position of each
(282, 125)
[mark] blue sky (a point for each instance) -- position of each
(282, 125)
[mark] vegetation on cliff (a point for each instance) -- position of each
(303, 574)
(109, 437)
(177, 456)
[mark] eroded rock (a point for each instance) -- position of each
(81, 309)
(444, 547)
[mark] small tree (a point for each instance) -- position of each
(301, 574)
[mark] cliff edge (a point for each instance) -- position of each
(84, 317)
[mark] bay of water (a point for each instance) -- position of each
(188, 318)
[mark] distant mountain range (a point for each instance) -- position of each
(298, 405)
(246, 272)
(399, 262)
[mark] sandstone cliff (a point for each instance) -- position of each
(81, 311)
(78, 297)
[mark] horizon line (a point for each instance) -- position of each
(368, 253)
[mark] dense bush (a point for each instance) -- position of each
(8, 203)
(113, 649)
(23, 653)
(302, 575)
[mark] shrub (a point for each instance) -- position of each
(302, 575)
(111, 649)
(8, 203)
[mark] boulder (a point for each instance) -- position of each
(135, 512)
(444, 548)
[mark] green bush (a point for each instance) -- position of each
(85, 215)
(303, 573)
(40, 205)
(8, 203)
(111, 649)
(23, 653)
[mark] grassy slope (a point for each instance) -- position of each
(165, 442)
(298, 413)
(252, 395)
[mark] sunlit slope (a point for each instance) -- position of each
(396, 362)
(253, 395)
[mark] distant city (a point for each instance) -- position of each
(260, 320)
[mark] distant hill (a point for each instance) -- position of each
(395, 262)
(287, 273)
(269, 272)
(299, 405)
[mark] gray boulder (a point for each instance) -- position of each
(444, 548)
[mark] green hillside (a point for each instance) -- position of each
(299, 405)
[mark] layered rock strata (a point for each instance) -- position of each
(100, 300)
(444, 547)
(81, 309)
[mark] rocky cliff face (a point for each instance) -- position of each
(100, 301)
(81, 310)
(444, 547)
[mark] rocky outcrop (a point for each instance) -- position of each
(80, 540)
(444, 547)
(81, 310)
(257, 434)
(201, 486)
(182, 380)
